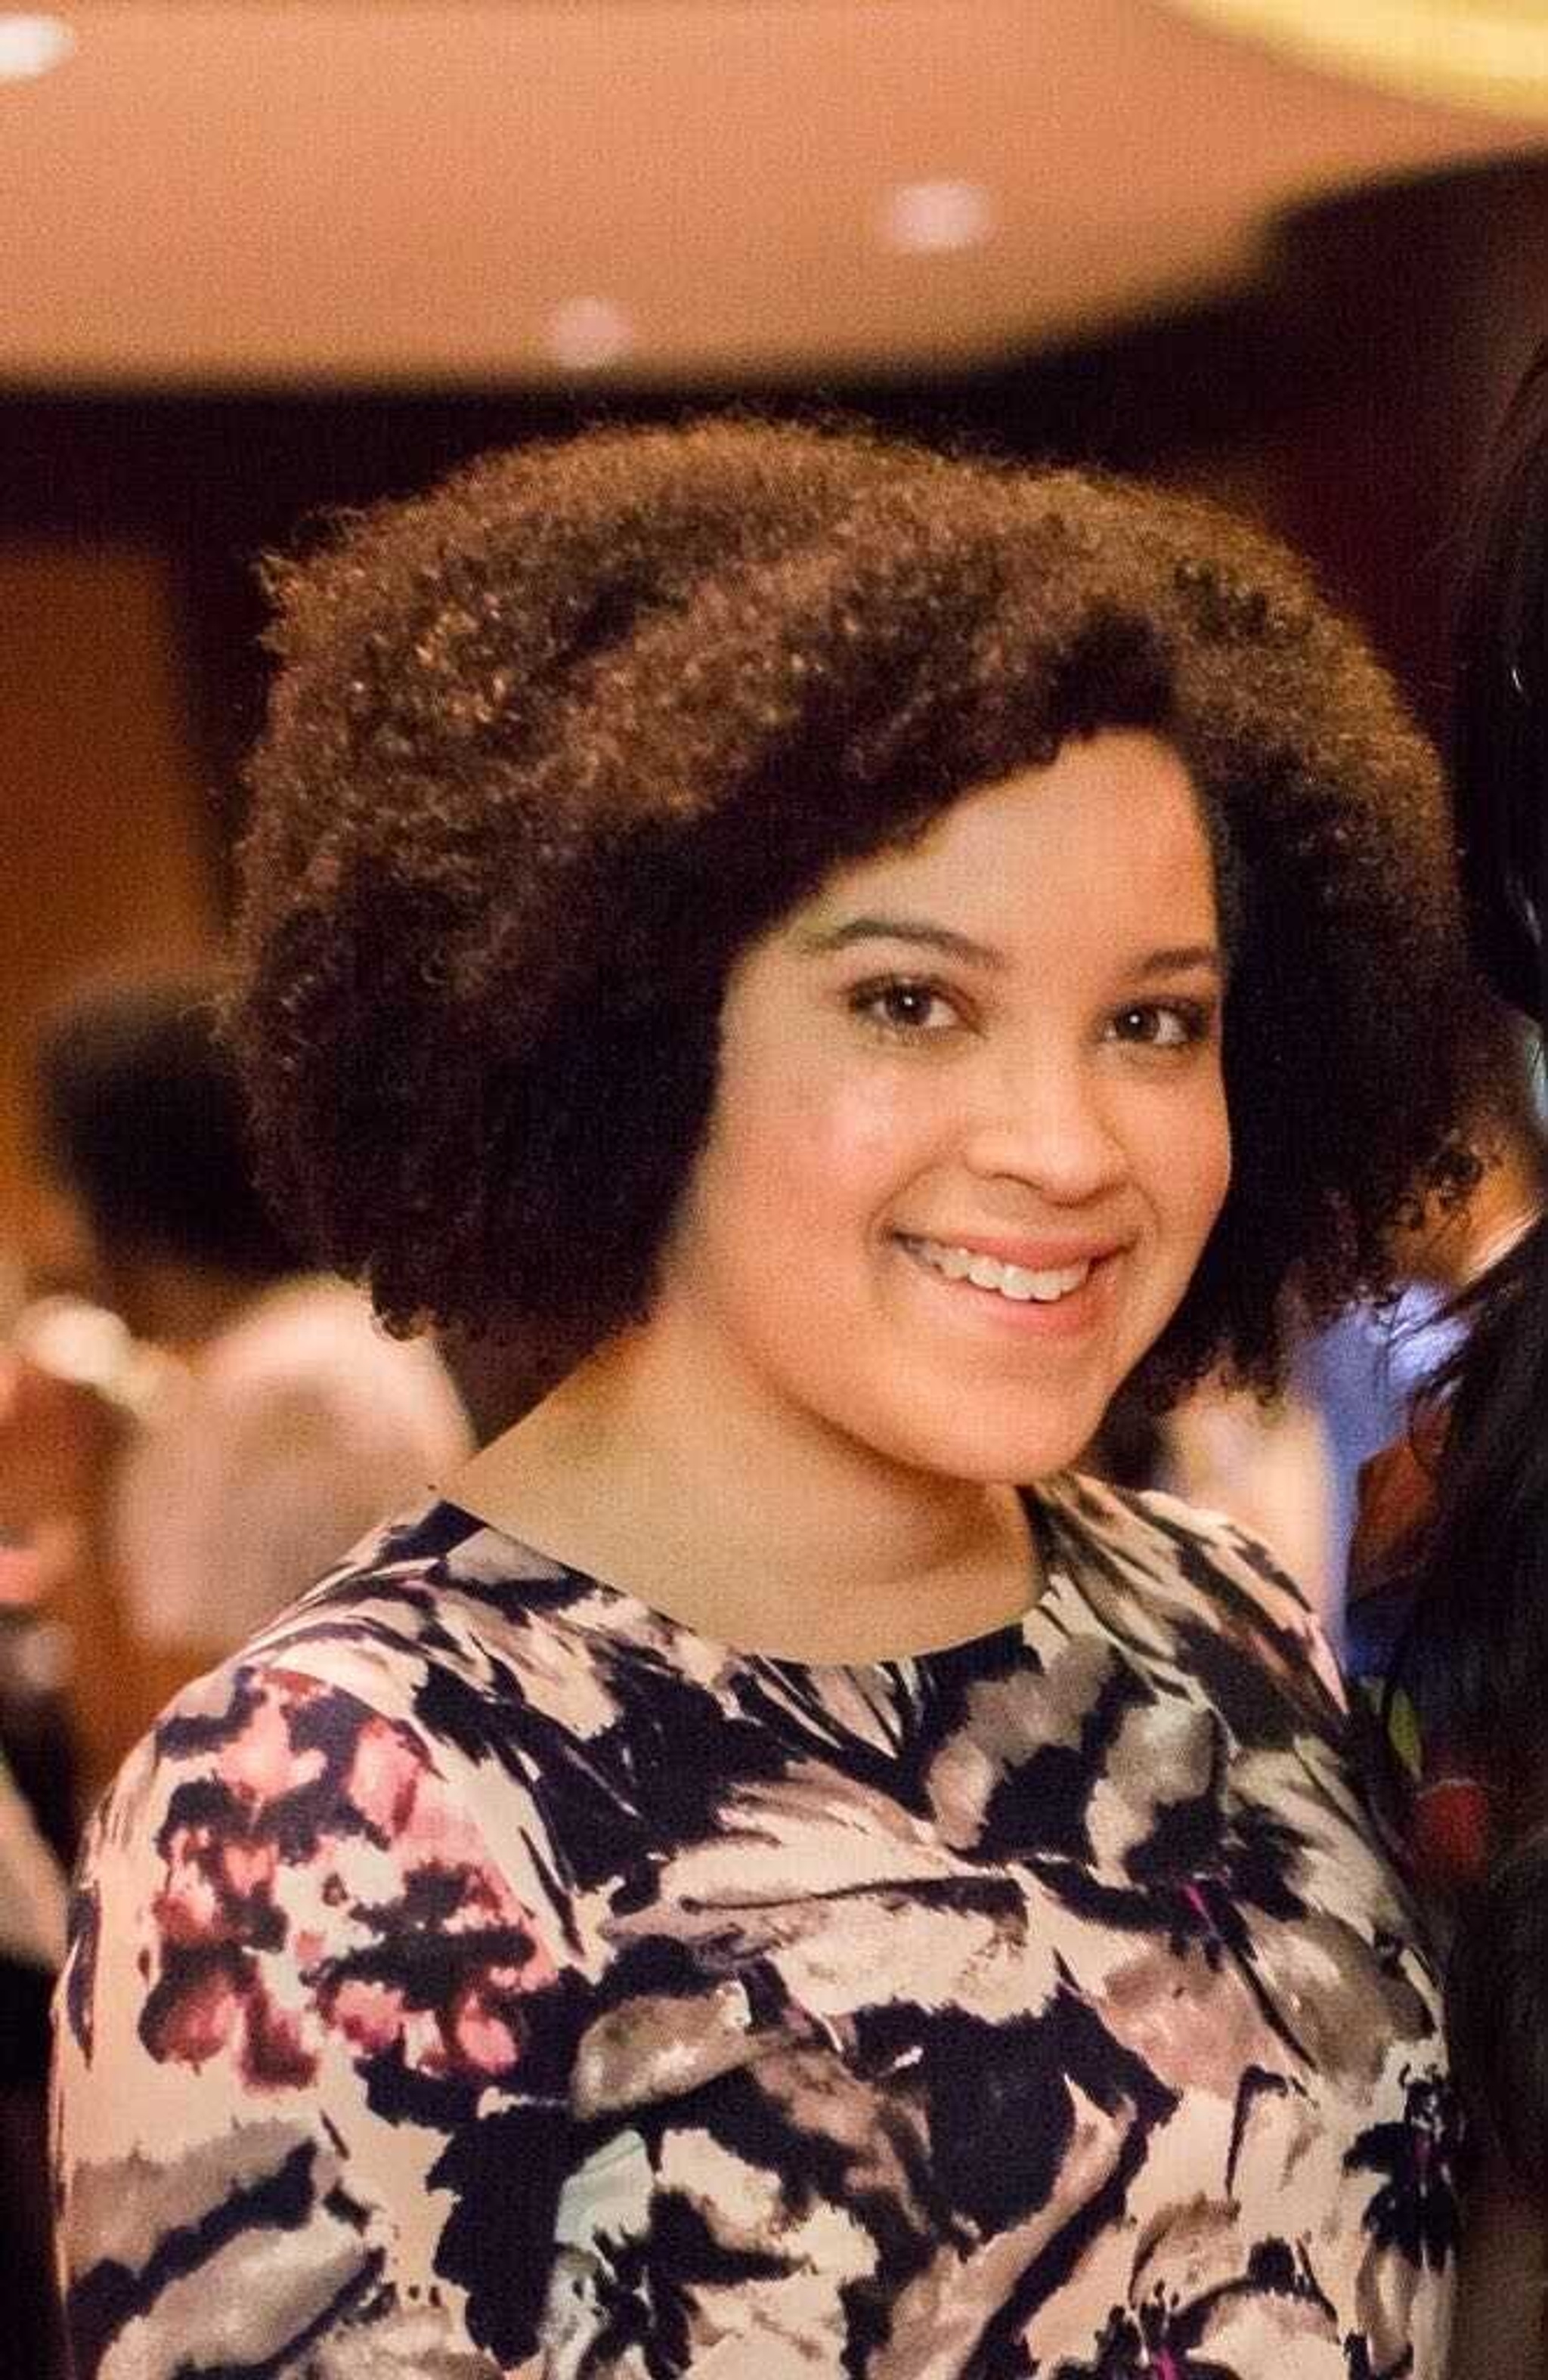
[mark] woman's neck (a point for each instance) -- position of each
(761, 1529)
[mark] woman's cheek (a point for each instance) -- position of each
(869, 1130)
(1210, 1171)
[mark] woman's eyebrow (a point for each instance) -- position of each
(926, 935)
(1180, 961)
(919, 930)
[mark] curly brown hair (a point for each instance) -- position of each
(549, 745)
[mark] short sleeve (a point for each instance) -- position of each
(312, 2110)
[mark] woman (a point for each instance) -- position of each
(850, 956)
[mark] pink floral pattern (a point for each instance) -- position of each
(240, 1978)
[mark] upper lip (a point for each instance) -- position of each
(1031, 1255)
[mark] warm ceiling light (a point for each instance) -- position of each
(936, 218)
(587, 333)
(31, 45)
(1488, 53)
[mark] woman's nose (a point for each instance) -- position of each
(1048, 1125)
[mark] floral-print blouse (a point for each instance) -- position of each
(484, 1973)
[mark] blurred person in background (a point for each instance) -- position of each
(1412, 1347)
(1448, 1611)
(187, 1458)
(1363, 1376)
(855, 954)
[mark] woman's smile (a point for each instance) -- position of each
(1055, 1297)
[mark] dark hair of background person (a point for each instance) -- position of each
(549, 746)
(1475, 1659)
(140, 1119)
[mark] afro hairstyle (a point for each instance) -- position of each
(548, 747)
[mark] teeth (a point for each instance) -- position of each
(1009, 1280)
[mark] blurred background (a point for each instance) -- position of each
(261, 258)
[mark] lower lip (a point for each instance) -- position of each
(1059, 1317)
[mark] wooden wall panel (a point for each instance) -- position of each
(103, 843)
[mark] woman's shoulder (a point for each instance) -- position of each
(322, 1929)
(436, 1614)
(441, 1680)
(377, 1721)
(1152, 1527)
(1197, 1579)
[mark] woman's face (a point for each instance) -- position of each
(969, 1135)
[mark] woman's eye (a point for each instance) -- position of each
(1161, 1024)
(903, 1007)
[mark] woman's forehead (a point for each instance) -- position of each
(1114, 821)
